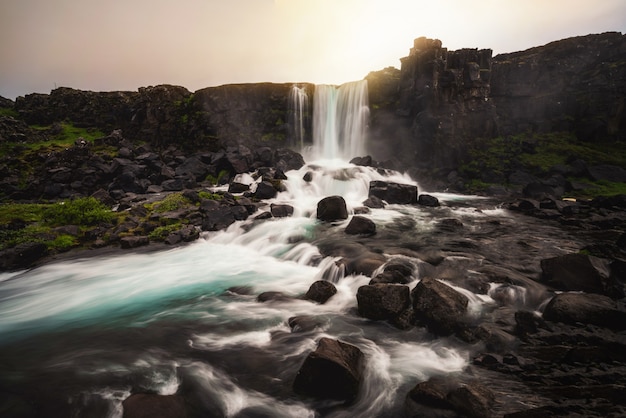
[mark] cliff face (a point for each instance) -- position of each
(444, 100)
(426, 116)
(577, 84)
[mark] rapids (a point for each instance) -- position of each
(79, 336)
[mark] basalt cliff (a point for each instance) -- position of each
(429, 115)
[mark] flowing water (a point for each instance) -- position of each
(79, 336)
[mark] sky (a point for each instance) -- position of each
(107, 45)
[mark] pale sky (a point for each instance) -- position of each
(105, 45)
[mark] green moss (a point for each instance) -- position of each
(81, 211)
(162, 232)
(171, 202)
(208, 195)
(62, 243)
(222, 175)
(7, 111)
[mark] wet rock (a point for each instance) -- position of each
(303, 323)
(281, 211)
(320, 291)
(450, 224)
(473, 400)
(333, 371)
(573, 308)
(141, 405)
(439, 306)
(236, 187)
(528, 322)
(428, 399)
(398, 271)
(332, 208)
(134, 242)
(265, 190)
(374, 202)
(428, 200)
(360, 225)
(393, 192)
(308, 176)
(273, 296)
(220, 217)
(22, 255)
(366, 263)
(582, 272)
(382, 301)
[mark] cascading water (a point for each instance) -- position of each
(78, 336)
(298, 112)
(340, 118)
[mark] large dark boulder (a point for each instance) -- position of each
(360, 225)
(22, 255)
(581, 272)
(142, 405)
(332, 208)
(473, 400)
(333, 371)
(441, 308)
(265, 190)
(399, 271)
(320, 291)
(218, 218)
(383, 301)
(281, 211)
(581, 308)
(393, 192)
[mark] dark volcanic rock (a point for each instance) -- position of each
(332, 208)
(573, 308)
(321, 291)
(382, 301)
(281, 211)
(360, 225)
(141, 405)
(133, 241)
(473, 400)
(393, 192)
(265, 190)
(427, 200)
(22, 255)
(581, 272)
(440, 307)
(333, 371)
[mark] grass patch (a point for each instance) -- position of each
(162, 232)
(171, 202)
(203, 194)
(82, 211)
(7, 111)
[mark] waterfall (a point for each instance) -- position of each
(340, 118)
(298, 112)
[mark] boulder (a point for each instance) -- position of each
(441, 308)
(273, 296)
(472, 400)
(143, 405)
(360, 225)
(332, 208)
(428, 200)
(265, 190)
(303, 323)
(134, 241)
(22, 255)
(333, 371)
(281, 211)
(374, 202)
(236, 187)
(573, 308)
(393, 192)
(217, 219)
(320, 291)
(399, 271)
(574, 272)
(383, 301)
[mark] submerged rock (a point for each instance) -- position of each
(333, 371)
(142, 405)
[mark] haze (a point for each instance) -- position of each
(125, 44)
